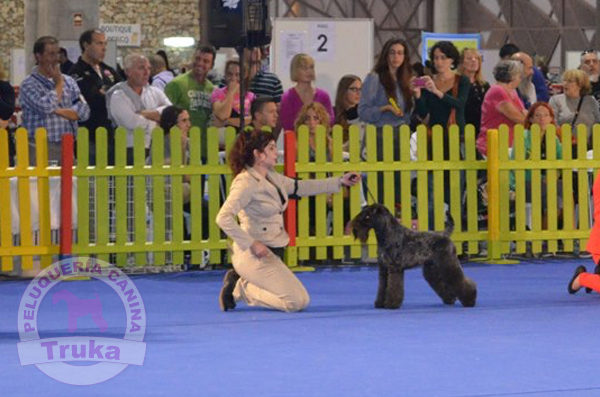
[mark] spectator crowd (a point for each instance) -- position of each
(447, 89)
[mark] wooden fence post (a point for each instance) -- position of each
(289, 169)
(66, 199)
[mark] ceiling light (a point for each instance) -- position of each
(179, 41)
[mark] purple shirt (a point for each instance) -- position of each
(291, 104)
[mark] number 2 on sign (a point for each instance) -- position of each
(322, 47)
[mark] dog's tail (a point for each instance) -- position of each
(449, 224)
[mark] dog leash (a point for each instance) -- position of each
(370, 194)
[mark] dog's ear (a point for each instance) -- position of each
(378, 209)
(382, 210)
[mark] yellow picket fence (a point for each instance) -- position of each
(400, 171)
(18, 179)
(569, 179)
(122, 209)
(141, 184)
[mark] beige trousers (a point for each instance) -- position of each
(267, 282)
(54, 153)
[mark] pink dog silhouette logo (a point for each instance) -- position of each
(110, 354)
(81, 308)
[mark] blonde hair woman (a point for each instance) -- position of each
(576, 106)
(302, 72)
(470, 66)
(312, 115)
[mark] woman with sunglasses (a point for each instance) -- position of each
(346, 103)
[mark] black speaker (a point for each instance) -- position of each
(238, 23)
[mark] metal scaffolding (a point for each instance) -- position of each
(546, 29)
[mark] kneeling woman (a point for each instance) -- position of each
(582, 278)
(257, 197)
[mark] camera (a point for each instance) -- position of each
(420, 82)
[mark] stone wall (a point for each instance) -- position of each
(158, 19)
(12, 23)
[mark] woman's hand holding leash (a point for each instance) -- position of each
(350, 179)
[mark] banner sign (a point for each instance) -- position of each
(467, 40)
(126, 35)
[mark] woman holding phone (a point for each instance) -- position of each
(444, 96)
(443, 99)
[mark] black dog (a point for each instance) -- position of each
(400, 248)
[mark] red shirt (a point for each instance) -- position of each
(492, 118)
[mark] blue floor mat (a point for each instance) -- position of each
(526, 337)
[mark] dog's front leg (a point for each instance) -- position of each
(383, 279)
(395, 288)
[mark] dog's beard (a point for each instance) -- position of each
(360, 233)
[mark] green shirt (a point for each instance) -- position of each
(185, 92)
(439, 109)
(527, 144)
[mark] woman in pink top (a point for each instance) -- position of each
(501, 104)
(226, 100)
(302, 72)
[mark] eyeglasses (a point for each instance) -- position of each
(355, 89)
(585, 52)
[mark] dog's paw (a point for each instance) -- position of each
(468, 302)
(379, 304)
(450, 301)
(392, 305)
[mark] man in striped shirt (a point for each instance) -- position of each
(262, 82)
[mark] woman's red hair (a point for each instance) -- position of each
(532, 110)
